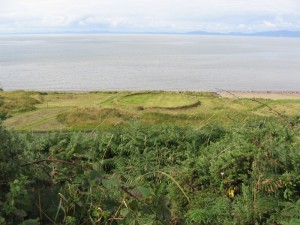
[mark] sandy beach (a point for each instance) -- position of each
(262, 94)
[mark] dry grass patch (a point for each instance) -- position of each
(29, 120)
(92, 117)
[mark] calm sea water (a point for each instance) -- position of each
(149, 62)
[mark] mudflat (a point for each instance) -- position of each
(260, 94)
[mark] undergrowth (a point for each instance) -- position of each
(244, 174)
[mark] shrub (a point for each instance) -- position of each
(248, 174)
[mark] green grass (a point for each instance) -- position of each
(148, 100)
(36, 111)
(35, 120)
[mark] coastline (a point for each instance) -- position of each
(260, 94)
(221, 93)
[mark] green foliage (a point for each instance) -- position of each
(3, 115)
(152, 175)
(209, 209)
(9, 156)
(13, 185)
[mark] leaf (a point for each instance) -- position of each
(149, 220)
(30, 222)
(292, 222)
(93, 175)
(124, 212)
(145, 192)
(2, 220)
(110, 184)
(78, 180)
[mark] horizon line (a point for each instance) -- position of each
(267, 33)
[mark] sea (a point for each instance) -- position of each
(149, 62)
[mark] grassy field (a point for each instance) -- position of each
(215, 160)
(38, 111)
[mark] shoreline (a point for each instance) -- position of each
(260, 94)
(221, 93)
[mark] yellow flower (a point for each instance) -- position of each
(230, 192)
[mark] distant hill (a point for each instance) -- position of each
(281, 33)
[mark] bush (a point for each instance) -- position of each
(153, 175)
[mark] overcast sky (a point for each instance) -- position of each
(19, 16)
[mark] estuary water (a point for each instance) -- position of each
(149, 62)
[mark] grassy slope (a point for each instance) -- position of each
(86, 111)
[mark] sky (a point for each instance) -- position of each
(40, 16)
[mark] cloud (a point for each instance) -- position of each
(149, 15)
